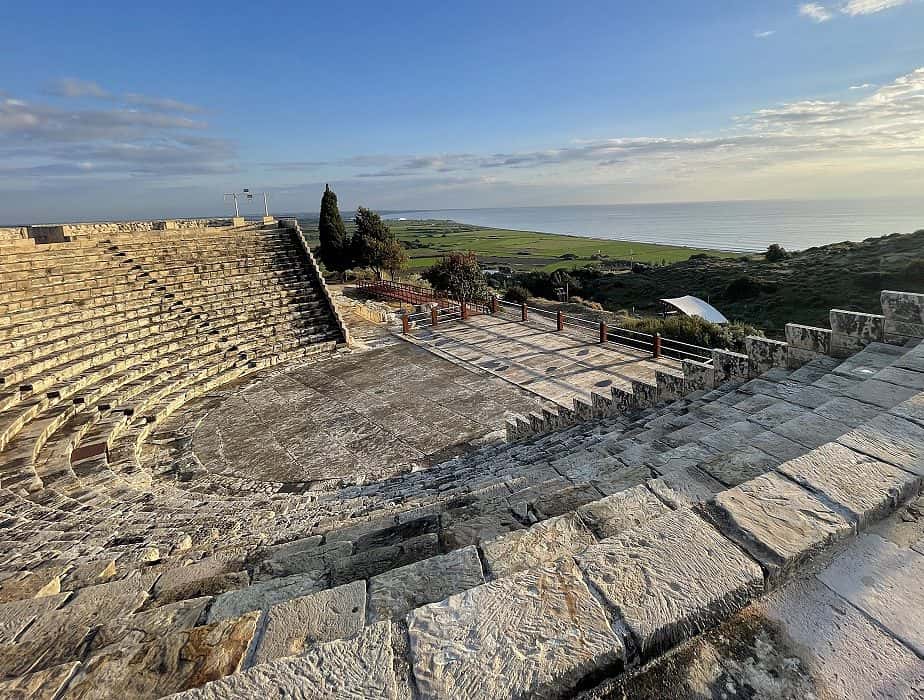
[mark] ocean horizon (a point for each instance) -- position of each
(745, 226)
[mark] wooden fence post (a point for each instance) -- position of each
(523, 312)
(405, 324)
(493, 303)
(464, 308)
(602, 331)
(657, 345)
(561, 320)
(434, 316)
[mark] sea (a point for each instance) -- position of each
(739, 225)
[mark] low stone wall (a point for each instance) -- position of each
(13, 234)
(903, 316)
(852, 331)
(806, 343)
(59, 233)
(764, 354)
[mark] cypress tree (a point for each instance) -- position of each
(334, 250)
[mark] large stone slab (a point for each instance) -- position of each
(891, 439)
(622, 511)
(911, 409)
(739, 465)
(847, 411)
(208, 576)
(671, 579)
(899, 376)
(360, 667)
(811, 430)
(170, 664)
(396, 592)
(879, 393)
(542, 543)
(779, 523)
(534, 634)
(319, 617)
(846, 655)
(263, 595)
(149, 625)
(16, 615)
(860, 487)
(884, 581)
(41, 685)
(376, 561)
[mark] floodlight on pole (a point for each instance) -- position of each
(249, 196)
(233, 195)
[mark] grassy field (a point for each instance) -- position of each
(428, 240)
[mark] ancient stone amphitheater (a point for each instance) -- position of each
(733, 528)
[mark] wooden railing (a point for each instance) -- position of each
(446, 308)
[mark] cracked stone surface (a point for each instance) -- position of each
(360, 667)
(169, 664)
(776, 521)
(891, 439)
(671, 579)
(544, 542)
(41, 685)
(863, 487)
(15, 616)
(320, 617)
(148, 625)
(396, 592)
(262, 596)
(622, 511)
(534, 634)
(884, 581)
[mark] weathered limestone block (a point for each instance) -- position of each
(777, 522)
(534, 634)
(57, 636)
(461, 533)
(41, 685)
(622, 511)
(671, 579)
(911, 409)
(879, 393)
(739, 465)
(149, 625)
(88, 574)
(396, 592)
(891, 439)
(811, 430)
(360, 667)
(33, 584)
(583, 409)
(913, 359)
(302, 556)
(172, 663)
(670, 386)
(765, 354)
(904, 315)
(806, 343)
(852, 331)
(906, 378)
(16, 615)
(263, 595)
(863, 488)
(846, 654)
(622, 400)
(603, 405)
(884, 581)
(697, 376)
(730, 366)
(542, 543)
(372, 562)
(644, 394)
(208, 576)
(294, 625)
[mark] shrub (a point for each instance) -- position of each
(776, 253)
(459, 274)
(742, 288)
(517, 294)
(694, 330)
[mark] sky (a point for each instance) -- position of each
(144, 110)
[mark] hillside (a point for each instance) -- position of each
(800, 289)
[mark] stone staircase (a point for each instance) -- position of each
(532, 568)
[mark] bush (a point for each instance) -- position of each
(458, 274)
(517, 294)
(742, 288)
(694, 330)
(776, 253)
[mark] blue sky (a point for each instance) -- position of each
(109, 110)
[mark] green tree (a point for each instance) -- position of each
(375, 246)
(458, 274)
(334, 250)
(776, 253)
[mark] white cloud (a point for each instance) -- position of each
(765, 34)
(868, 7)
(161, 104)
(75, 87)
(815, 12)
(864, 86)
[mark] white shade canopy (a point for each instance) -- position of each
(694, 306)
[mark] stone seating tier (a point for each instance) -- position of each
(134, 573)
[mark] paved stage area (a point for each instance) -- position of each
(533, 355)
(357, 417)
